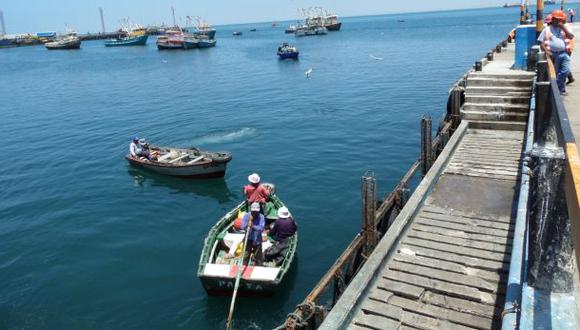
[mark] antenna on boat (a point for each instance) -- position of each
(2, 23)
(173, 15)
(102, 20)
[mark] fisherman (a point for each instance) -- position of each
(284, 228)
(256, 222)
(548, 21)
(555, 40)
(135, 148)
(255, 192)
(571, 13)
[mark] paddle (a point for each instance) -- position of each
(239, 275)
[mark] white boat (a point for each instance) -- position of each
(188, 163)
(69, 41)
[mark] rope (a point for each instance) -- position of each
(300, 322)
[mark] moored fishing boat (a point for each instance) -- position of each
(331, 23)
(137, 36)
(69, 41)
(217, 271)
(310, 31)
(201, 28)
(291, 29)
(285, 51)
(7, 42)
(204, 42)
(177, 40)
(188, 163)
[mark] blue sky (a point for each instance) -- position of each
(52, 15)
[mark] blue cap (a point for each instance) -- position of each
(136, 138)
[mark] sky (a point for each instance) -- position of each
(27, 16)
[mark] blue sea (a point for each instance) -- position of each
(88, 242)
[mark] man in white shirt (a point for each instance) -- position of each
(134, 148)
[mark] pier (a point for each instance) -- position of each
(487, 239)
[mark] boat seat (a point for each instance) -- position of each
(164, 157)
(178, 159)
(195, 160)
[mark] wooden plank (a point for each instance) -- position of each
(479, 170)
(490, 265)
(457, 233)
(508, 226)
(499, 168)
(502, 162)
(469, 320)
(400, 288)
(459, 250)
(487, 246)
(434, 285)
(431, 208)
(465, 227)
(461, 305)
(436, 209)
(446, 276)
(375, 322)
(370, 306)
(449, 266)
(483, 176)
(381, 295)
(429, 323)
(493, 159)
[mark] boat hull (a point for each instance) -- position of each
(224, 286)
(202, 171)
(129, 41)
(59, 46)
(334, 27)
(7, 43)
(206, 43)
(288, 55)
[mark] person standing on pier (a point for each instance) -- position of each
(571, 13)
(556, 41)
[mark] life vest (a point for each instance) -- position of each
(570, 43)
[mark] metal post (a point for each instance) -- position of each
(539, 17)
(543, 109)
(173, 15)
(426, 144)
(102, 21)
(369, 204)
(455, 105)
(2, 23)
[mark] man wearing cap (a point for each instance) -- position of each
(254, 191)
(284, 228)
(256, 221)
(134, 148)
(555, 40)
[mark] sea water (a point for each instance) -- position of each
(87, 241)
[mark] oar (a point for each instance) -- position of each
(238, 276)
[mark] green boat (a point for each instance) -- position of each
(217, 271)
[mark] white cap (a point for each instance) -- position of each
(283, 212)
(255, 207)
(254, 178)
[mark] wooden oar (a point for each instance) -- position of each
(238, 275)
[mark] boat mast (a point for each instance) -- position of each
(173, 15)
(2, 23)
(102, 20)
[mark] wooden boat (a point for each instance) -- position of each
(331, 23)
(291, 29)
(69, 41)
(201, 28)
(218, 273)
(137, 36)
(205, 42)
(310, 31)
(187, 163)
(287, 52)
(237, 33)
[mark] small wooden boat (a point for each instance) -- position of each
(69, 41)
(218, 273)
(187, 163)
(237, 33)
(253, 30)
(287, 52)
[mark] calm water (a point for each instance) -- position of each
(86, 241)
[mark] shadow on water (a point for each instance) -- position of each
(213, 188)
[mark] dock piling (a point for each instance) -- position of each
(426, 145)
(369, 187)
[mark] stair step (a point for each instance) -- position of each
(500, 125)
(498, 82)
(511, 75)
(496, 107)
(499, 90)
(496, 99)
(494, 116)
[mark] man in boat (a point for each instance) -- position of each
(284, 228)
(556, 40)
(256, 221)
(135, 148)
(255, 192)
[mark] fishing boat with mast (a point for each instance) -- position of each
(130, 35)
(200, 28)
(222, 253)
(286, 51)
(68, 41)
(331, 22)
(174, 38)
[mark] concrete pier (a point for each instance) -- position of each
(444, 262)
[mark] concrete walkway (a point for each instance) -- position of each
(572, 100)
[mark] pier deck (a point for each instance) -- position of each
(445, 261)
